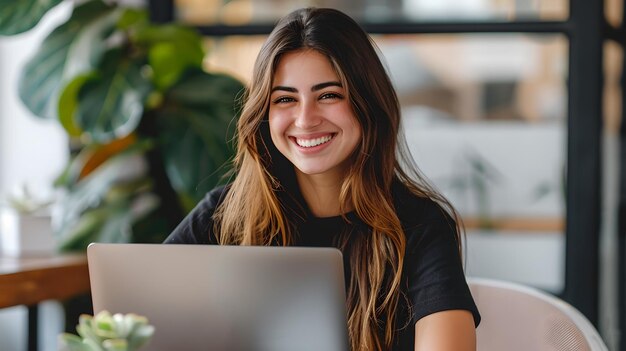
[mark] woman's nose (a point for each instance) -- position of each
(307, 116)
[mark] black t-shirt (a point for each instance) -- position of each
(432, 278)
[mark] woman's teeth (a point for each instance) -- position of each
(313, 142)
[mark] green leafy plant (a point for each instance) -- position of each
(150, 129)
(106, 332)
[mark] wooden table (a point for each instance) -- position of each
(33, 279)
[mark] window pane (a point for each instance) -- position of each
(497, 77)
(485, 120)
(613, 11)
(241, 12)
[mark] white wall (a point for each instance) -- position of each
(32, 153)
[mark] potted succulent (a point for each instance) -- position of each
(25, 224)
(106, 332)
(150, 130)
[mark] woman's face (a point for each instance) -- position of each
(311, 120)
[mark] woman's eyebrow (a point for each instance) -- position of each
(280, 87)
(320, 86)
(316, 87)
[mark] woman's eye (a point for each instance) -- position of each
(283, 99)
(330, 96)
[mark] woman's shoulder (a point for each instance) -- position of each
(197, 226)
(416, 210)
(206, 207)
(427, 224)
(215, 197)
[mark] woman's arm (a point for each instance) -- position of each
(451, 330)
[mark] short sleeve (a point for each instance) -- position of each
(436, 281)
(197, 226)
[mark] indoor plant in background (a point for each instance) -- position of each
(150, 130)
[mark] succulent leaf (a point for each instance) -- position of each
(71, 342)
(140, 336)
(115, 345)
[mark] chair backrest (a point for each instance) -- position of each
(517, 317)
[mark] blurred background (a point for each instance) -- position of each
(512, 108)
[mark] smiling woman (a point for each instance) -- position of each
(320, 162)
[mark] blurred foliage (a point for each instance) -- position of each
(19, 16)
(150, 130)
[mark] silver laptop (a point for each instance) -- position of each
(225, 297)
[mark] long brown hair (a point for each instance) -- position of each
(259, 210)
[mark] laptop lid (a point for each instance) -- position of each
(202, 297)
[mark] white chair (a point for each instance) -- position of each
(520, 318)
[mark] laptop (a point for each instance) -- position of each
(234, 298)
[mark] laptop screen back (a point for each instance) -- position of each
(225, 297)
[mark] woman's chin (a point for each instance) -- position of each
(310, 171)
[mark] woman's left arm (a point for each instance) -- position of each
(451, 330)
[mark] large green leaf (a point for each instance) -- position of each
(132, 17)
(197, 124)
(169, 61)
(18, 16)
(111, 104)
(198, 89)
(171, 50)
(68, 104)
(192, 155)
(72, 48)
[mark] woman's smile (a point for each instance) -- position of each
(309, 143)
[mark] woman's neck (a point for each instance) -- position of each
(321, 194)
